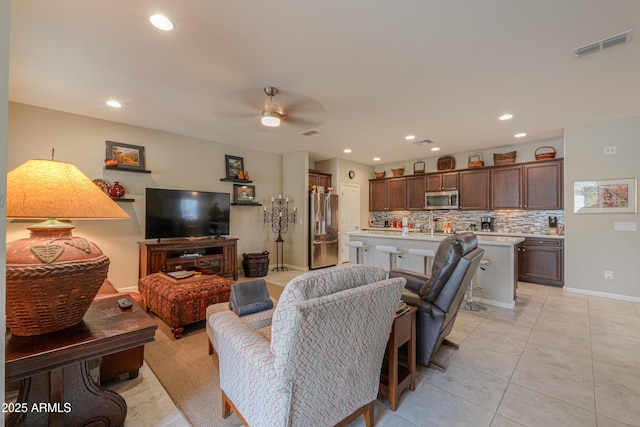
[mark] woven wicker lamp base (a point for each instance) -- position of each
(52, 278)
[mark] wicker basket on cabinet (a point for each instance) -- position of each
(504, 158)
(547, 155)
(397, 172)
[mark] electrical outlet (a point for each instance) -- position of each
(625, 226)
(609, 150)
(608, 275)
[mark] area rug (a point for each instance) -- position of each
(186, 371)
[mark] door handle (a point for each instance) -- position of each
(325, 241)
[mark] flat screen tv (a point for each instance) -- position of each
(182, 214)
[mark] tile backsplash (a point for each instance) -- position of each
(507, 221)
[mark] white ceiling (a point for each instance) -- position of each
(370, 71)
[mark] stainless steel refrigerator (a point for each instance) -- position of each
(323, 233)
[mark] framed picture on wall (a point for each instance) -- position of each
(605, 196)
(244, 194)
(128, 156)
(233, 166)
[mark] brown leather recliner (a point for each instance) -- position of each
(127, 361)
(438, 297)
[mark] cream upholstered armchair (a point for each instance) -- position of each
(320, 363)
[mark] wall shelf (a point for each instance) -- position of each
(241, 181)
(246, 204)
(122, 199)
(123, 169)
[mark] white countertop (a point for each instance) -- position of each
(489, 240)
(478, 233)
(498, 279)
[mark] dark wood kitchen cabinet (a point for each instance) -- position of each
(543, 185)
(387, 194)
(507, 187)
(474, 189)
(541, 260)
(319, 179)
(377, 195)
(445, 181)
(536, 185)
(416, 187)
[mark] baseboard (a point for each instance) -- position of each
(289, 267)
(601, 294)
(297, 267)
(494, 303)
(129, 289)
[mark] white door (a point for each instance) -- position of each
(349, 215)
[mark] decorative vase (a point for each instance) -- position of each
(112, 162)
(52, 278)
(246, 175)
(116, 190)
(241, 175)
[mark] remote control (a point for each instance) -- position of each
(124, 303)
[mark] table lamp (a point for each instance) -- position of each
(53, 276)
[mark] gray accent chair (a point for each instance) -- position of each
(438, 296)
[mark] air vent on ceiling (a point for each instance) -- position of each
(603, 44)
(310, 132)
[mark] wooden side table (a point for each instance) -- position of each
(56, 388)
(395, 376)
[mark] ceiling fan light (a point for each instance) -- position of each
(270, 118)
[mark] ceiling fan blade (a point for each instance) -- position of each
(244, 107)
(301, 124)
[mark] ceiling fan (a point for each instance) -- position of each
(246, 109)
(271, 115)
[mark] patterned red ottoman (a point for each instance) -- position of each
(179, 304)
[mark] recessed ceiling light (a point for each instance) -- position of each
(113, 103)
(410, 137)
(520, 135)
(435, 149)
(161, 22)
(347, 150)
(376, 159)
(505, 117)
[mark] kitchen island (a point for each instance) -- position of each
(498, 278)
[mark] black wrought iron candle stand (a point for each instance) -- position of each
(280, 217)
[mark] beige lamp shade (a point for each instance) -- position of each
(42, 189)
(53, 276)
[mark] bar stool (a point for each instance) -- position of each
(393, 253)
(471, 305)
(359, 248)
(428, 256)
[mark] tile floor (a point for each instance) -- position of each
(557, 359)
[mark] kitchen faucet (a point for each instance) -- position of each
(431, 223)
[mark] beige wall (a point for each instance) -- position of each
(295, 183)
(176, 162)
(339, 170)
(591, 244)
(188, 163)
(524, 153)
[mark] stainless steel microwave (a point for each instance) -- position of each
(441, 200)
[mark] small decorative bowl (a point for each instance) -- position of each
(380, 174)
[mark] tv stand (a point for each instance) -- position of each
(219, 256)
